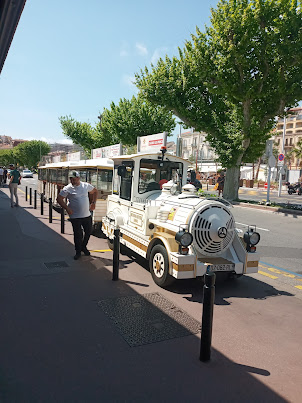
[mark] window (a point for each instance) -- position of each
(102, 180)
(286, 142)
(290, 141)
(122, 185)
(185, 143)
(154, 173)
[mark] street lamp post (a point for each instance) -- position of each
(283, 140)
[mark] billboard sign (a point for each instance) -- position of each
(107, 152)
(151, 143)
(74, 156)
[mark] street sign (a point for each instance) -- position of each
(281, 157)
(272, 161)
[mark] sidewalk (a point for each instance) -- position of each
(69, 333)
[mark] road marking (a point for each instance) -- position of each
(267, 275)
(273, 270)
(246, 225)
(279, 268)
(299, 287)
(104, 250)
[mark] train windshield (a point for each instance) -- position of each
(154, 173)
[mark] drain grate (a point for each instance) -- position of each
(148, 318)
(56, 265)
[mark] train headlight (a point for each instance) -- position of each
(251, 238)
(184, 238)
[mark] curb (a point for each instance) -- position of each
(269, 208)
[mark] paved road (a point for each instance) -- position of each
(280, 246)
(58, 344)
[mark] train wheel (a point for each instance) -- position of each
(159, 266)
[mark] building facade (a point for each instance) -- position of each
(293, 133)
(196, 149)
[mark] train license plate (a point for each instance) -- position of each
(221, 267)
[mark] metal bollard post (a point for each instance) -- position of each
(35, 199)
(30, 196)
(116, 254)
(50, 210)
(207, 317)
(26, 193)
(62, 221)
(42, 203)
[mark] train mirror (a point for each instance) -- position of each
(121, 171)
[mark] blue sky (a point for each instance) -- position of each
(75, 58)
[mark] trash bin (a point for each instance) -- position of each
(249, 183)
(240, 182)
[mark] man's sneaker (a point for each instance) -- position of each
(77, 256)
(86, 252)
(16, 205)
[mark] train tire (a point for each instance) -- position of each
(159, 266)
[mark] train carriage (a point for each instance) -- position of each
(53, 177)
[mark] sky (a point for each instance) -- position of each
(76, 57)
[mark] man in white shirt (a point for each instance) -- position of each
(81, 198)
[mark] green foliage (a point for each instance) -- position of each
(232, 80)
(122, 123)
(81, 133)
(134, 118)
(28, 153)
(7, 157)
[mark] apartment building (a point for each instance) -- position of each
(293, 133)
(196, 149)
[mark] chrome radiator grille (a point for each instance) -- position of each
(212, 228)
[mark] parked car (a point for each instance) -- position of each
(27, 173)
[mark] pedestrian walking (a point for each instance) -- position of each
(81, 197)
(15, 180)
(1, 176)
(4, 175)
(220, 182)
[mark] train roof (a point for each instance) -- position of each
(92, 163)
(171, 157)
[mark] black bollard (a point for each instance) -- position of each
(62, 221)
(26, 193)
(50, 210)
(30, 196)
(116, 254)
(207, 317)
(42, 203)
(35, 199)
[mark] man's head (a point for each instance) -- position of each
(11, 166)
(74, 177)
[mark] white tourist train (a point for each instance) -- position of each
(162, 218)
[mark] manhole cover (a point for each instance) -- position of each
(148, 318)
(56, 265)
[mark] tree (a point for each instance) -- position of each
(6, 157)
(29, 153)
(83, 134)
(232, 80)
(134, 118)
(122, 123)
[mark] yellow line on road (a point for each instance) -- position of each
(267, 275)
(299, 286)
(274, 270)
(104, 250)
